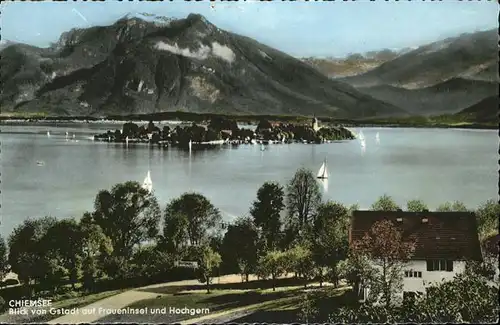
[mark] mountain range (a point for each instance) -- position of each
(138, 66)
(443, 77)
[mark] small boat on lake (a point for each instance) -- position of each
(323, 171)
(40, 163)
(148, 183)
(377, 138)
(48, 134)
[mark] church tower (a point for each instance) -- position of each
(315, 124)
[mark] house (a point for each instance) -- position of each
(445, 241)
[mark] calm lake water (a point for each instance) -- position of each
(435, 165)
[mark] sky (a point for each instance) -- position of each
(302, 29)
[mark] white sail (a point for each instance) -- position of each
(190, 144)
(48, 134)
(148, 183)
(73, 135)
(323, 171)
(262, 147)
(377, 138)
(363, 143)
(126, 140)
(361, 136)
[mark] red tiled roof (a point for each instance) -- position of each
(445, 235)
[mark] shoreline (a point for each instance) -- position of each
(49, 122)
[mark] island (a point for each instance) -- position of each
(220, 130)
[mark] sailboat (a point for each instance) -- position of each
(48, 134)
(126, 139)
(361, 136)
(190, 145)
(377, 138)
(262, 148)
(148, 183)
(323, 171)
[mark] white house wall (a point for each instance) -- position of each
(428, 278)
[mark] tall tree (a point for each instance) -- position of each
(3, 258)
(201, 215)
(26, 254)
(175, 233)
(456, 206)
(385, 203)
(128, 215)
(96, 248)
(416, 206)
(208, 261)
(239, 246)
(302, 198)
(389, 252)
(63, 241)
(266, 212)
(487, 218)
(330, 237)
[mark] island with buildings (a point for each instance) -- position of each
(220, 130)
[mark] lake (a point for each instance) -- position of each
(435, 165)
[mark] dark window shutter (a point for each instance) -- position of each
(429, 265)
(449, 266)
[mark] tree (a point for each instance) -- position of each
(266, 212)
(303, 197)
(330, 237)
(26, 255)
(389, 253)
(299, 259)
(202, 217)
(208, 261)
(239, 246)
(416, 206)
(3, 259)
(468, 298)
(487, 218)
(128, 215)
(175, 233)
(272, 265)
(385, 203)
(63, 242)
(96, 248)
(456, 206)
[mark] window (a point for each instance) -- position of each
(440, 265)
(413, 274)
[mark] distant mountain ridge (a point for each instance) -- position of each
(138, 67)
(484, 111)
(444, 98)
(439, 78)
(471, 56)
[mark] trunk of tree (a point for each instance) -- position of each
(274, 283)
(246, 275)
(208, 284)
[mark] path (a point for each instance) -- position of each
(126, 298)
